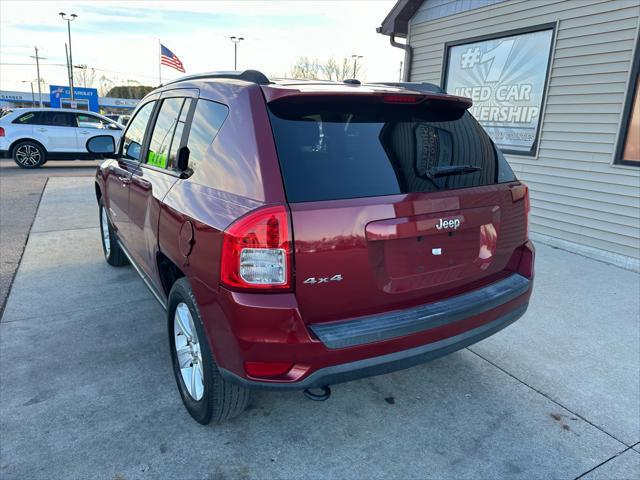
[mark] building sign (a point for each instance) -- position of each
(14, 96)
(119, 102)
(84, 98)
(505, 77)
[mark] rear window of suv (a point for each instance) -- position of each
(340, 151)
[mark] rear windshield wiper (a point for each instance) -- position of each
(450, 170)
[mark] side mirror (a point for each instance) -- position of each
(102, 144)
(183, 159)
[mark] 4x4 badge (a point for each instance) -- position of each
(312, 280)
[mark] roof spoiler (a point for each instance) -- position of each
(451, 103)
(252, 76)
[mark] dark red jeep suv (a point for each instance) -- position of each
(303, 233)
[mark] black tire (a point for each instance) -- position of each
(113, 254)
(221, 400)
(28, 154)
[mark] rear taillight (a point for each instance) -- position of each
(1, 132)
(519, 193)
(257, 251)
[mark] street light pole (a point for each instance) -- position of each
(66, 57)
(236, 41)
(355, 61)
(70, 19)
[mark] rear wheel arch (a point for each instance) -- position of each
(98, 191)
(26, 139)
(168, 271)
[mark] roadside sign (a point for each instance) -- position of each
(85, 98)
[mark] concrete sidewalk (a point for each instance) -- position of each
(87, 389)
(20, 192)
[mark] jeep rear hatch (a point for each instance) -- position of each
(394, 201)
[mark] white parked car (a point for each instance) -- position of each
(123, 119)
(31, 136)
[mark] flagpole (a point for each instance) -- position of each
(159, 61)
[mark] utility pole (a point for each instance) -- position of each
(33, 97)
(236, 41)
(70, 19)
(355, 62)
(38, 58)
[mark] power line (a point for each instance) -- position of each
(77, 66)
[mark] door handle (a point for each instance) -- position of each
(124, 181)
(42, 129)
(84, 132)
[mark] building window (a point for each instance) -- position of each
(628, 151)
(506, 77)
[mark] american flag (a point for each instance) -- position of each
(168, 58)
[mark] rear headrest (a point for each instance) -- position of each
(303, 134)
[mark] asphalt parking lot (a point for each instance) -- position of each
(87, 389)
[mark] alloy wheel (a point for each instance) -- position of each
(28, 155)
(104, 226)
(188, 352)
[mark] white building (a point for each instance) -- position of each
(11, 99)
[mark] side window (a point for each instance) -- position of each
(628, 152)
(28, 118)
(207, 120)
(163, 132)
(134, 134)
(177, 136)
(56, 119)
(89, 121)
(48, 118)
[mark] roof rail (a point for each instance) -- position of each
(253, 76)
(419, 86)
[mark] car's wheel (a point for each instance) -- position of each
(207, 396)
(112, 251)
(29, 154)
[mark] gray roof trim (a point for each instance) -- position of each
(397, 20)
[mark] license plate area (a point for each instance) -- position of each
(425, 253)
(411, 253)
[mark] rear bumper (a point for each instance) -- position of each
(376, 328)
(4, 147)
(268, 329)
(392, 362)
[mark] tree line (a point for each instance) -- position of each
(306, 68)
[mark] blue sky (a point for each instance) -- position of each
(120, 38)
